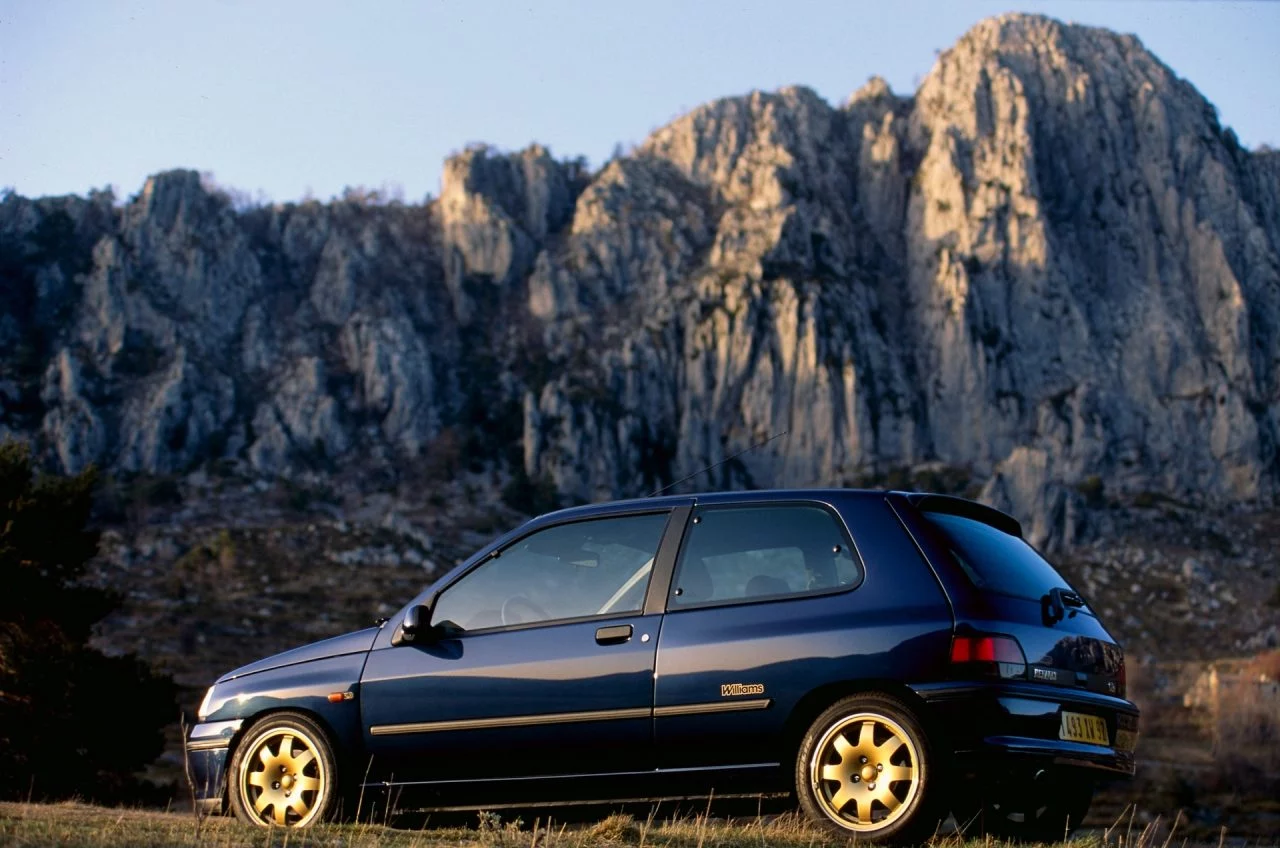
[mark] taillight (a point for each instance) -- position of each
(988, 655)
(1121, 679)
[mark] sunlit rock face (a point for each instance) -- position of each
(1049, 264)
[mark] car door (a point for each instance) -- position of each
(542, 662)
(759, 608)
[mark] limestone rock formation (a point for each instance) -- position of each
(1050, 264)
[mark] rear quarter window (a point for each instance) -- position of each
(994, 560)
(757, 552)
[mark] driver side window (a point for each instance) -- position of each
(587, 568)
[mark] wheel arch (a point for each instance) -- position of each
(812, 705)
(341, 757)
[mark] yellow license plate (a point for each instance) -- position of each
(1077, 727)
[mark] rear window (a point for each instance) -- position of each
(995, 560)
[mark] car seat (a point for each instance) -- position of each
(766, 584)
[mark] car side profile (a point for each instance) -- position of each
(889, 657)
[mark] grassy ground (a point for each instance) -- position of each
(70, 824)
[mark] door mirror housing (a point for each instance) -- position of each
(415, 627)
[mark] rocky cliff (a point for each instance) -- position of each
(1051, 265)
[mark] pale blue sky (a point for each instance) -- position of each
(287, 98)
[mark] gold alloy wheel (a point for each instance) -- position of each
(865, 772)
(282, 780)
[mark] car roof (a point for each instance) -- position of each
(744, 496)
(923, 500)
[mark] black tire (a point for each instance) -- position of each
(1044, 808)
(843, 783)
(283, 773)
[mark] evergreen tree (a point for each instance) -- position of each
(73, 721)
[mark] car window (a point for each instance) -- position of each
(995, 560)
(752, 553)
(586, 568)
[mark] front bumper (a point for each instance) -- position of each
(207, 748)
(1017, 724)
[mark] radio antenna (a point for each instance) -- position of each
(716, 465)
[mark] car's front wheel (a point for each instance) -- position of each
(866, 768)
(284, 773)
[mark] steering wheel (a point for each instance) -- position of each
(521, 601)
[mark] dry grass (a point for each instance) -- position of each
(78, 824)
(71, 824)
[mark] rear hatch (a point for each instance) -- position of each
(1012, 590)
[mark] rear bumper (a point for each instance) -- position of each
(208, 747)
(1017, 724)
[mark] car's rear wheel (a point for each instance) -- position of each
(284, 773)
(866, 768)
(1032, 808)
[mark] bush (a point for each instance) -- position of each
(73, 722)
(443, 458)
(1145, 500)
(156, 492)
(530, 496)
(1246, 728)
(1092, 489)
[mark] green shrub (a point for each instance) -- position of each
(73, 722)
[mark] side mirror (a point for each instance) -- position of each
(415, 625)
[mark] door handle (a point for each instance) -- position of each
(615, 635)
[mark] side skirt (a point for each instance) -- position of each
(747, 780)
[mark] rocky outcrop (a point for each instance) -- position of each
(1090, 257)
(1050, 264)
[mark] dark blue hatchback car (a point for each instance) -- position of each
(888, 657)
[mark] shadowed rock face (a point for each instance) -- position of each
(1050, 263)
